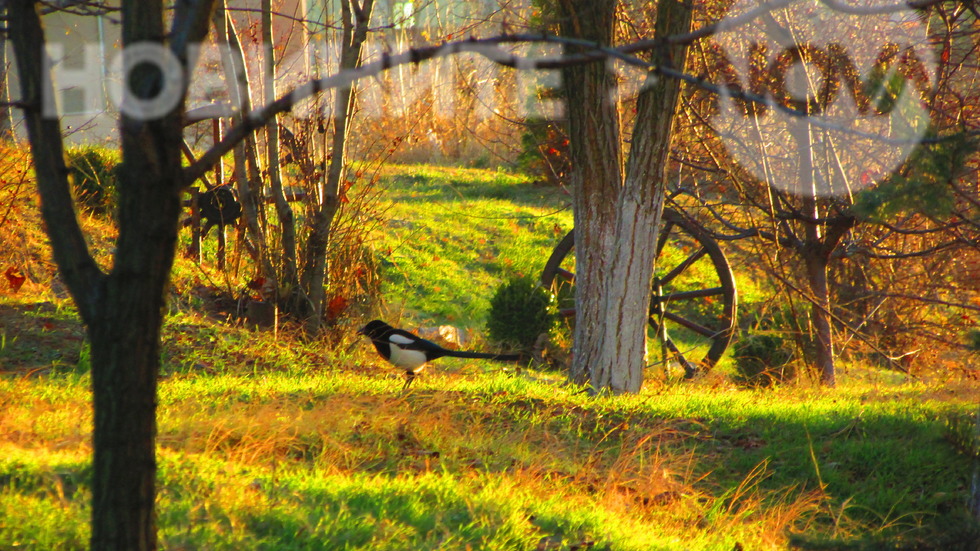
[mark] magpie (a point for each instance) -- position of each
(411, 353)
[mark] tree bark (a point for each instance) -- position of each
(617, 219)
(6, 124)
(596, 176)
(816, 249)
(246, 168)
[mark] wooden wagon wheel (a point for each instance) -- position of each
(694, 300)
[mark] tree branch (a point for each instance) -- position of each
(79, 270)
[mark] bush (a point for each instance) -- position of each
(762, 359)
(544, 152)
(973, 340)
(770, 351)
(92, 173)
(521, 311)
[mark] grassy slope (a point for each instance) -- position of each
(284, 445)
(454, 234)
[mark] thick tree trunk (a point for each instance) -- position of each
(121, 310)
(596, 180)
(617, 221)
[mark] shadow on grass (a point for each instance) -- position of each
(38, 336)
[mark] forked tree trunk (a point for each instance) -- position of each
(122, 309)
(617, 219)
(816, 250)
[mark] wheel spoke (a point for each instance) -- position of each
(693, 326)
(683, 265)
(689, 295)
(565, 275)
(689, 369)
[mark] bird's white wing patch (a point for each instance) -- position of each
(409, 360)
(400, 339)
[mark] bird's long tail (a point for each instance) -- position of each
(485, 356)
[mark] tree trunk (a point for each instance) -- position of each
(246, 167)
(6, 125)
(288, 272)
(816, 267)
(596, 175)
(617, 220)
(816, 250)
(121, 310)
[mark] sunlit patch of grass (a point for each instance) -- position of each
(454, 234)
(44, 498)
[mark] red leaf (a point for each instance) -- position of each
(866, 178)
(14, 278)
(336, 306)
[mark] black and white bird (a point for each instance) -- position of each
(411, 352)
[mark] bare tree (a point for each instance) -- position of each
(121, 308)
(356, 18)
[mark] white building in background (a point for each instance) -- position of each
(84, 52)
(85, 57)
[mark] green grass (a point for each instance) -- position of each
(342, 460)
(455, 234)
(271, 442)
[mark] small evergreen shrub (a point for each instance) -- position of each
(764, 358)
(544, 151)
(973, 340)
(92, 173)
(769, 351)
(520, 311)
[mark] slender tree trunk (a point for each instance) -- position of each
(356, 18)
(617, 220)
(816, 256)
(6, 125)
(816, 267)
(288, 272)
(246, 163)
